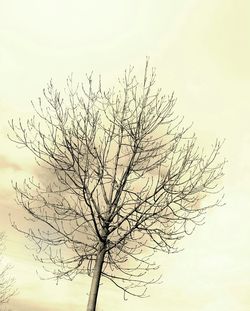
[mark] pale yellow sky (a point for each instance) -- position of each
(201, 51)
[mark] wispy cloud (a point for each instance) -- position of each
(5, 163)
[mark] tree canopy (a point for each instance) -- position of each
(125, 179)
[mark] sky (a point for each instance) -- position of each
(201, 52)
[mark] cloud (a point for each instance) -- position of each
(5, 163)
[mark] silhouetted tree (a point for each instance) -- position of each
(7, 282)
(126, 180)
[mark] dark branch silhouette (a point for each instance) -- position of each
(125, 180)
(7, 282)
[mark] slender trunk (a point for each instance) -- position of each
(96, 279)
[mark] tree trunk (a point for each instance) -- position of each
(96, 279)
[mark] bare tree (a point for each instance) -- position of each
(7, 283)
(126, 180)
